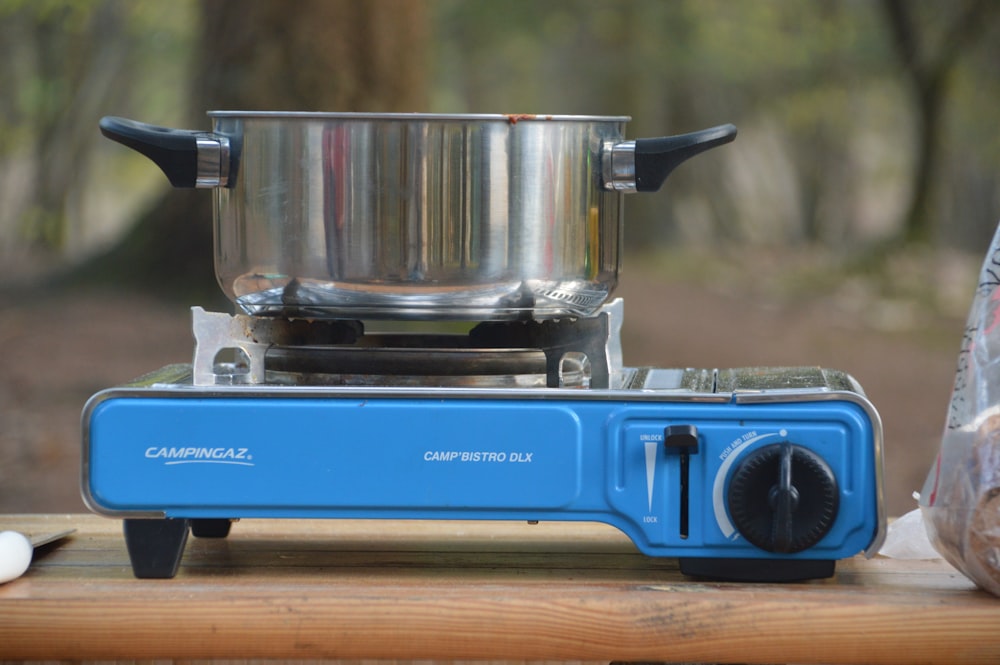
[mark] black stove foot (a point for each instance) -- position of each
(758, 570)
(210, 528)
(155, 546)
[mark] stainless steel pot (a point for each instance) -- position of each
(415, 216)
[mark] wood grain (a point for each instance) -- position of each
(396, 590)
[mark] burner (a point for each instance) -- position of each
(399, 361)
(572, 353)
(519, 420)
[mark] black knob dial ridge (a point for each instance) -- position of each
(783, 498)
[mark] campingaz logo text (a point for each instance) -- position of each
(171, 455)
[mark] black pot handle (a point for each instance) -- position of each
(656, 158)
(188, 158)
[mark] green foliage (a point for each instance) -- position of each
(820, 85)
(829, 124)
(64, 63)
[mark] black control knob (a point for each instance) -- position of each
(783, 498)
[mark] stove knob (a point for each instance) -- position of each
(783, 498)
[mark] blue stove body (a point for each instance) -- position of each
(714, 467)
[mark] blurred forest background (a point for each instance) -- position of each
(866, 165)
(864, 124)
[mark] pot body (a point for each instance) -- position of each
(417, 216)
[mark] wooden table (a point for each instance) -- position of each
(299, 589)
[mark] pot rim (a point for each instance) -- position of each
(511, 118)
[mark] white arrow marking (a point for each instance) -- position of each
(650, 470)
(718, 504)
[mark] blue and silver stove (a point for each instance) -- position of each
(768, 474)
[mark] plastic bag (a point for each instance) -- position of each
(907, 538)
(960, 499)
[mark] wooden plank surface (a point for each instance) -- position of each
(300, 589)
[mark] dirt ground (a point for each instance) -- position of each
(59, 350)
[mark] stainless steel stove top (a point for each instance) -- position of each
(747, 473)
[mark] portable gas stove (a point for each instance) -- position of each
(768, 474)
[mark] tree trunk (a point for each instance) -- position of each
(322, 55)
(928, 70)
